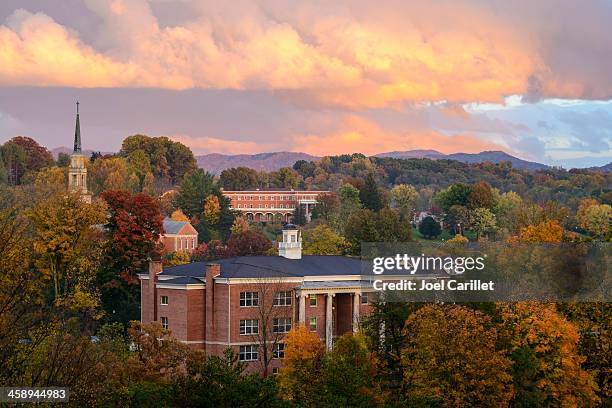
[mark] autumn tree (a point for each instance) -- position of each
(212, 209)
(248, 243)
(404, 198)
(361, 227)
(178, 215)
(546, 365)
(451, 358)
(482, 221)
(481, 196)
(323, 240)
(31, 156)
(240, 225)
(66, 242)
(300, 378)
(594, 217)
(133, 227)
(545, 232)
(327, 207)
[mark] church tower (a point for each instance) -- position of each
(77, 172)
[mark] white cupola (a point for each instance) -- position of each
(291, 246)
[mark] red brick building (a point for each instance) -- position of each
(179, 236)
(249, 303)
(272, 205)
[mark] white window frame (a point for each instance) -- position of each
(249, 299)
(164, 322)
(282, 298)
(249, 327)
(281, 324)
(248, 352)
(278, 351)
(312, 297)
(161, 300)
(364, 299)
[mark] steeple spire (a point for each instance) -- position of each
(77, 132)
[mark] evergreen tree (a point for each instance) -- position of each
(370, 195)
(430, 228)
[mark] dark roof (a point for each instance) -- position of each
(273, 266)
(173, 227)
(290, 226)
(182, 280)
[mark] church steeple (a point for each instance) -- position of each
(77, 132)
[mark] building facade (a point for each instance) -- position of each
(250, 303)
(179, 236)
(272, 205)
(77, 171)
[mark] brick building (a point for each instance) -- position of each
(272, 205)
(179, 236)
(249, 303)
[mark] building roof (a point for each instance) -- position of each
(182, 280)
(173, 227)
(273, 266)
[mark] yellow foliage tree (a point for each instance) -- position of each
(212, 209)
(300, 379)
(451, 358)
(178, 215)
(240, 225)
(322, 240)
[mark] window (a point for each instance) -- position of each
(274, 370)
(239, 205)
(193, 243)
(281, 325)
(364, 298)
(249, 326)
(248, 353)
(164, 322)
(313, 300)
(282, 299)
(249, 299)
(313, 323)
(164, 300)
(279, 350)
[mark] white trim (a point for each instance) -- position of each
(191, 286)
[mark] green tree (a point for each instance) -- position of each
(349, 374)
(370, 195)
(361, 227)
(140, 165)
(430, 228)
(457, 194)
(481, 196)
(196, 186)
(239, 178)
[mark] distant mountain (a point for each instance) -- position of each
(413, 154)
(216, 163)
(607, 168)
(493, 156)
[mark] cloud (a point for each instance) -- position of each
(359, 135)
(346, 54)
(205, 145)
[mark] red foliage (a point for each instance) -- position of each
(135, 225)
(248, 243)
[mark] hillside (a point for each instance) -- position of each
(216, 163)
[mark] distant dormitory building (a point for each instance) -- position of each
(272, 205)
(219, 305)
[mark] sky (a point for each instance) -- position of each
(532, 78)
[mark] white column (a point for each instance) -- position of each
(356, 303)
(329, 316)
(302, 310)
